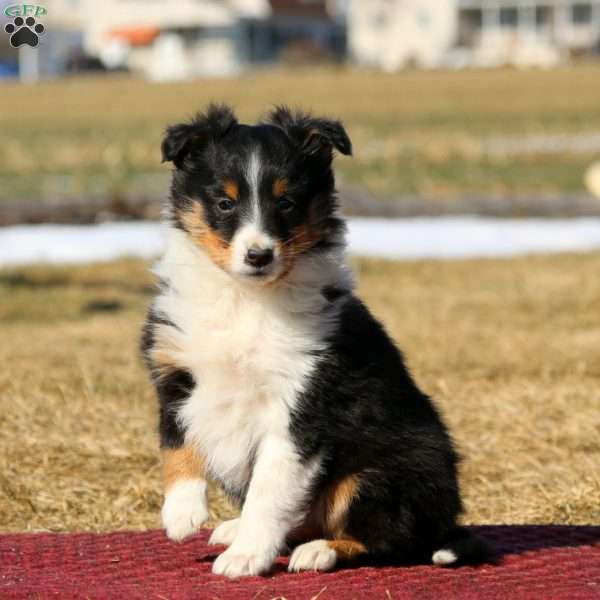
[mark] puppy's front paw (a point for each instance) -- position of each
(233, 563)
(184, 510)
(225, 533)
(313, 556)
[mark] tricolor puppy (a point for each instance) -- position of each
(273, 378)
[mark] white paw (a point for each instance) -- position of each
(224, 533)
(235, 564)
(313, 556)
(184, 510)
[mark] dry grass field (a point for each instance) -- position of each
(509, 349)
(438, 134)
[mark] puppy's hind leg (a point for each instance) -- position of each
(323, 555)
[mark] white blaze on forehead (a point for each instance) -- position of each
(253, 169)
(250, 232)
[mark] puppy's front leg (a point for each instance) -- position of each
(185, 507)
(274, 505)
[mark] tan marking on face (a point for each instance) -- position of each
(180, 464)
(303, 238)
(338, 500)
(232, 190)
(347, 549)
(280, 187)
(165, 350)
(218, 249)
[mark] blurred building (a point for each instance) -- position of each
(392, 34)
(180, 39)
(537, 32)
(162, 39)
(302, 31)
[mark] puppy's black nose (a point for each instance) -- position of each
(259, 257)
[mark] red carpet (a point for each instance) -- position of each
(539, 563)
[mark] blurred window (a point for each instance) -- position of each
(470, 22)
(581, 14)
(509, 17)
(473, 17)
(543, 15)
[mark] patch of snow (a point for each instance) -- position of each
(470, 237)
(431, 237)
(23, 244)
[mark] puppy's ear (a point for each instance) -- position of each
(313, 135)
(180, 139)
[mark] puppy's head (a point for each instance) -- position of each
(256, 199)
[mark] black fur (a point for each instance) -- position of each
(180, 140)
(311, 134)
(213, 148)
(365, 414)
(361, 412)
(171, 389)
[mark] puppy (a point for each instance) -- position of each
(273, 378)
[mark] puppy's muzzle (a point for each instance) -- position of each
(259, 257)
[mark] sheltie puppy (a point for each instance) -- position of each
(273, 378)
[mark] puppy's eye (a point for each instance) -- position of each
(285, 203)
(225, 205)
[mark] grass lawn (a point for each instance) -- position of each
(414, 132)
(509, 349)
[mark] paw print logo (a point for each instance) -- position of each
(24, 31)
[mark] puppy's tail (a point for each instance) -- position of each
(463, 548)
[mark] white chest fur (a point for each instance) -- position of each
(250, 349)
